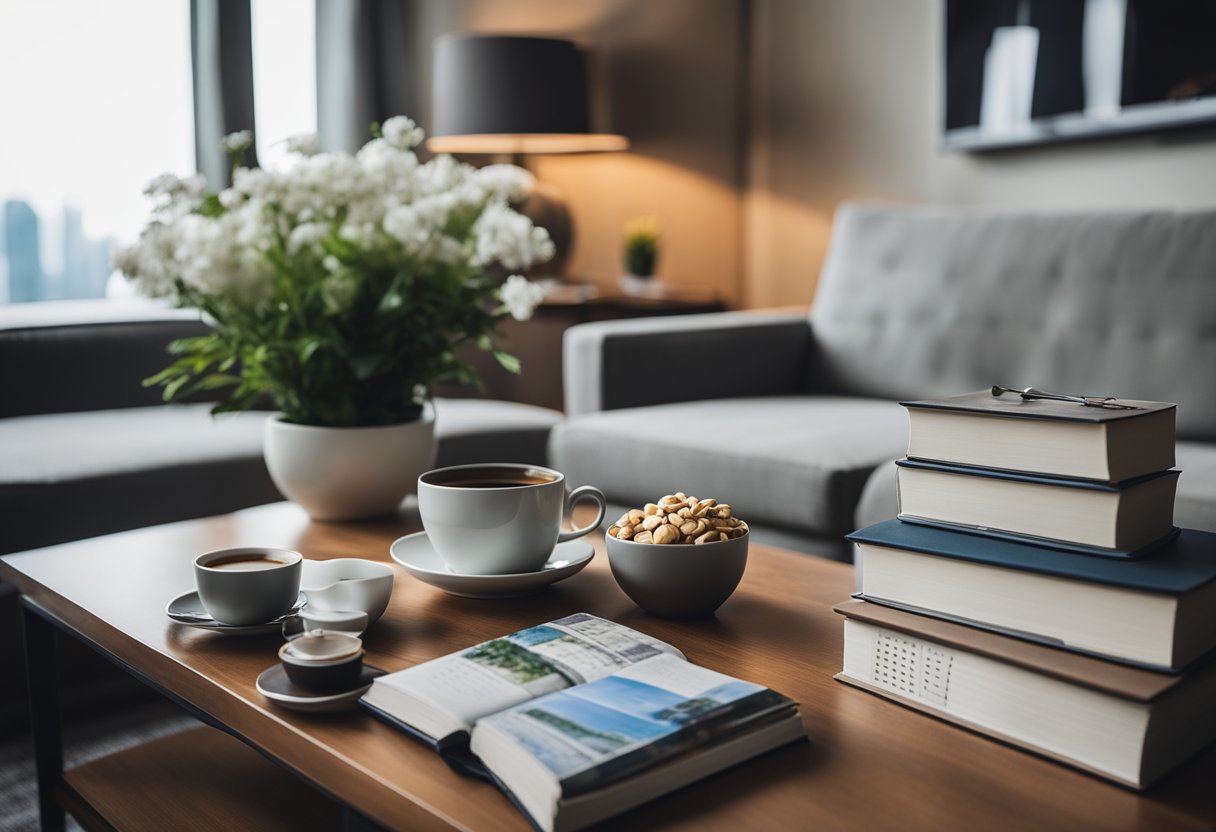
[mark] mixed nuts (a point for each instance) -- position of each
(679, 518)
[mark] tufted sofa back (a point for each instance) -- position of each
(920, 302)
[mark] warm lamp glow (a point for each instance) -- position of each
(502, 143)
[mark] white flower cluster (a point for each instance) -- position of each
(521, 296)
(381, 200)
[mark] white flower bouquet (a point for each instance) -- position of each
(340, 286)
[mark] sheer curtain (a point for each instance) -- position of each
(363, 68)
(364, 73)
(222, 54)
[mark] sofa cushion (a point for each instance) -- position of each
(880, 498)
(791, 461)
(484, 430)
(1195, 504)
(913, 303)
(65, 476)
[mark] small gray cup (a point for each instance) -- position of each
(248, 585)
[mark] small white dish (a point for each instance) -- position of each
(187, 609)
(341, 621)
(348, 584)
(418, 556)
(275, 686)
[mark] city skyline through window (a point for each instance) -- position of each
(96, 101)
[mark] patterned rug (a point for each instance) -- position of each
(83, 741)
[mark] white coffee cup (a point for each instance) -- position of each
(249, 585)
(499, 519)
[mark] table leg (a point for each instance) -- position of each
(41, 667)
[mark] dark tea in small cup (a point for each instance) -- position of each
(323, 662)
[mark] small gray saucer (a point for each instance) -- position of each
(188, 609)
(275, 686)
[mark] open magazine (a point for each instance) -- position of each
(581, 718)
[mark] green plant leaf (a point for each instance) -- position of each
(307, 349)
(509, 362)
(366, 366)
(216, 381)
(172, 388)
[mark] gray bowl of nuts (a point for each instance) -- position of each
(678, 557)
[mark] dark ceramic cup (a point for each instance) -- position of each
(323, 662)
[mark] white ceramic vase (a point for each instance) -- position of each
(349, 473)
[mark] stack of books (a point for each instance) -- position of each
(1034, 588)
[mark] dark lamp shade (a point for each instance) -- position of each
(499, 94)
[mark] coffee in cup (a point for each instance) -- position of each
(250, 585)
(499, 519)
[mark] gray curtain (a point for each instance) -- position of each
(364, 68)
(222, 53)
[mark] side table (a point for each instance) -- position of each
(538, 343)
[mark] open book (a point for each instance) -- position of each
(581, 718)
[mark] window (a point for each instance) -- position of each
(95, 101)
(284, 74)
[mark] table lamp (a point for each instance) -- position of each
(516, 96)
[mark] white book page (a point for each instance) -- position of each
(582, 729)
(507, 671)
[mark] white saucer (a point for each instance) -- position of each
(275, 686)
(415, 553)
(188, 609)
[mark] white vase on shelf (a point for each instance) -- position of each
(647, 286)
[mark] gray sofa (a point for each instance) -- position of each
(86, 450)
(794, 420)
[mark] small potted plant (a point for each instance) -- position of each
(340, 288)
(641, 240)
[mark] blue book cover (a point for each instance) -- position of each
(1181, 566)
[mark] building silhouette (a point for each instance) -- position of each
(84, 265)
(26, 280)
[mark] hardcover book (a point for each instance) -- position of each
(1158, 611)
(1130, 725)
(1044, 436)
(581, 718)
(1126, 520)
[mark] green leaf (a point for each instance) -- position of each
(509, 362)
(172, 388)
(391, 302)
(216, 381)
(366, 366)
(307, 349)
(211, 207)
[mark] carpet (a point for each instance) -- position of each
(84, 741)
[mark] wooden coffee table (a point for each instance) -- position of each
(870, 764)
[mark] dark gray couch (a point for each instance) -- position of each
(86, 450)
(795, 421)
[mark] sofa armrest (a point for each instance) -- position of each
(633, 363)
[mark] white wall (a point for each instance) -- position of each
(845, 105)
